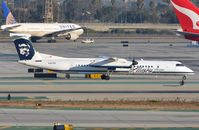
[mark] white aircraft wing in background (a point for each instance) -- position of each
(60, 32)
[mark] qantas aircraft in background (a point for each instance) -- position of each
(104, 65)
(38, 30)
(188, 16)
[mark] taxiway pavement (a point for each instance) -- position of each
(15, 79)
(84, 118)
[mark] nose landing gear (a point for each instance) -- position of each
(183, 80)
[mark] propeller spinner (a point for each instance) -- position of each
(134, 62)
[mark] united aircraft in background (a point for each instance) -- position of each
(188, 16)
(37, 31)
(105, 66)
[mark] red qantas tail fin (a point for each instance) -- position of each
(188, 15)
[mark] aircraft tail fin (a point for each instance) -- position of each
(7, 14)
(187, 14)
(25, 50)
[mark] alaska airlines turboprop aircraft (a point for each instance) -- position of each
(38, 30)
(104, 65)
(188, 16)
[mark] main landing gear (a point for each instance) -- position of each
(105, 77)
(68, 76)
(52, 40)
(34, 40)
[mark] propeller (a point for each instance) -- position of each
(134, 62)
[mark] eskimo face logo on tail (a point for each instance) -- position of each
(24, 49)
(191, 14)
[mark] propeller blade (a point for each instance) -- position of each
(134, 62)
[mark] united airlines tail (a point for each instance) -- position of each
(7, 14)
(25, 50)
(188, 15)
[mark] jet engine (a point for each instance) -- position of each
(72, 36)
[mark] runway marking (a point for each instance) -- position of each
(4, 127)
(91, 83)
(90, 118)
(100, 92)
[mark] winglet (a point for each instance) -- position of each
(7, 14)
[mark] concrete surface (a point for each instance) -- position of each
(84, 118)
(15, 79)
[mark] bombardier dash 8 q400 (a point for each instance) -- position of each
(188, 16)
(38, 30)
(104, 65)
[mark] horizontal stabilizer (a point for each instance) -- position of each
(19, 35)
(10, 26)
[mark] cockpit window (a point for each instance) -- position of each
(179, 65)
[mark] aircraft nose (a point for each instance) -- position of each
(188, 70)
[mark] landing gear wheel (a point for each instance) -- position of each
(105, 77)
(33, 40)
(51, 41)
(182, 83)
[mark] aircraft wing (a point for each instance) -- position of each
(111, 63)
(101, 63)
(60, 32)
(188, 33)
